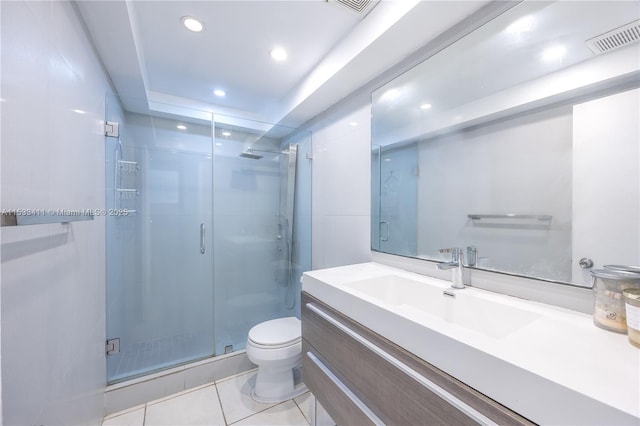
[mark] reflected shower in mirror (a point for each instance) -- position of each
(521, 140)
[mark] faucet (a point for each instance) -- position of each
(455, 265)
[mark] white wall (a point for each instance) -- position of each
(53, 305)
(342, 190)
(606, 180)
(522, 166)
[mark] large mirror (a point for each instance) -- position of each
(520, 140)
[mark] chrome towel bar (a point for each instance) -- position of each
(540, 217)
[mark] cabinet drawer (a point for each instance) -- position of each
(346, 407)
(397, 386)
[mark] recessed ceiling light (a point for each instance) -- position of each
(79, 111)
(220, 93)
(425, 106)
(225, 133)
(554, 53)
(181, 127)
(192, 24)
(353, 124)
(219, 143)
(278, 54)
(521, 25)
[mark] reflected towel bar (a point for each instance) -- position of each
(540, 217)
(39, 218)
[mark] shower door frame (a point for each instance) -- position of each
(192, 172)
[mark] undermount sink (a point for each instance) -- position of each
(491, 341)
(439, 303)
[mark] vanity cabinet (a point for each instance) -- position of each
(362, 378)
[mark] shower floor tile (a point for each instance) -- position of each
(225, 402)
(141, 357)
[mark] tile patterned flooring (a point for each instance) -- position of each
(222, 403)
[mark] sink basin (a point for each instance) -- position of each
(393, 289)
(456, 307)
(549, 364)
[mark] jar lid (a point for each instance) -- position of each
(624, 268)
(632, 293)
(615, 274)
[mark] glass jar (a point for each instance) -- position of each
(609, 306)
(623, 268)
(632, 310)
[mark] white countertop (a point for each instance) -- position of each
(556, 367)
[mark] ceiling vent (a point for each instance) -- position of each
(360, 7)
(614, 39)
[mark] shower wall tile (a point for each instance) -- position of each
(53, 285)
(341, 190)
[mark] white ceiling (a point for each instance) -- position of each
(233, 50)
(496, 57)
(153, 59)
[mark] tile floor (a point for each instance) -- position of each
(225, 402)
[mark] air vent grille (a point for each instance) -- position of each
(360, 7)
(614, 39)
(355, 5)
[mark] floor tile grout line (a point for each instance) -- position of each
(301, 412)
(258, 412)
(214, 385)
(224, 416)
(144, 415)
(300, 408)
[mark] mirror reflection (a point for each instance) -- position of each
(520, 141)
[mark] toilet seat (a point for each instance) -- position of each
(277, 333)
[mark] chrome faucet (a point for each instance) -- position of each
(456, 266)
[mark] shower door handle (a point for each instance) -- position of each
(203, 239)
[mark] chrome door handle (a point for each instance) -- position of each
(203, 239)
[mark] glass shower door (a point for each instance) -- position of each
(260, 250)
(395, 175)
(159, 248)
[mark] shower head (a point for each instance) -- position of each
(250, 154)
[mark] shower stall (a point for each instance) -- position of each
(208, 232)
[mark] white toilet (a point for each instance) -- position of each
(275, 346)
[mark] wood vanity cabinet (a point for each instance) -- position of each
(361, 378)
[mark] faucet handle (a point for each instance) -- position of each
(456, 252)
(472, 255)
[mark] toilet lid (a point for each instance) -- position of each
(277, 332)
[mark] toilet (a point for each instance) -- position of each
(275, 346)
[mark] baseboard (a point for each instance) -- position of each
(123, 395)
